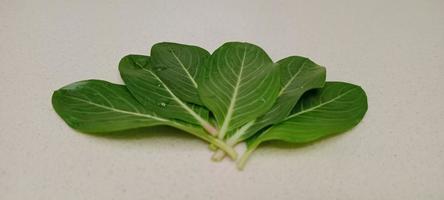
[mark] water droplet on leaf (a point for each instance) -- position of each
(160, 68)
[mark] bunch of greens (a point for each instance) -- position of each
(237, 94)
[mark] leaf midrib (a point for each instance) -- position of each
(227, 119)
(175, 98)
(244, 128)
(320, 105)
(185, 69)
(293, 77)
(118, 110)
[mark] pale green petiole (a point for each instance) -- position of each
(243, 159)
(232, 141)
(212, 140)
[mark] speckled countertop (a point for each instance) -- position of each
(393, 49)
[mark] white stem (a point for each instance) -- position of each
(233, 140)
(218, 155)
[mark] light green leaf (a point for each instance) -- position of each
(150, 90)
(297, 75)
(240, 84)
(335, 108)
(96, 106)
(180, 66)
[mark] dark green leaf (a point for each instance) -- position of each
(99, 106)
(240, 84)
(96, 106)
(180, 66)
(333, 109)
(297, 75)
(150, 90)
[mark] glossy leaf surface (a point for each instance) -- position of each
(180, 66)
(150, 90)
(96, 106)
(335, 108)
(297, 75)
(240, 84)
(99, 106)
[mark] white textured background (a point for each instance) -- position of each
(394, 49)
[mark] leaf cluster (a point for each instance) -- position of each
(236, 94)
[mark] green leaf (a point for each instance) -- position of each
(297, 75)
(239, 84)
(333, 109)
(96, 106)
(150, 90)
(180, 66)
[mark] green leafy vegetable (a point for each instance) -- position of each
(235, 94)
(335, 108)
(297, 75)
(180, 66)
(96, 106)
(99, 106)
(147, 87)
(240, 84)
